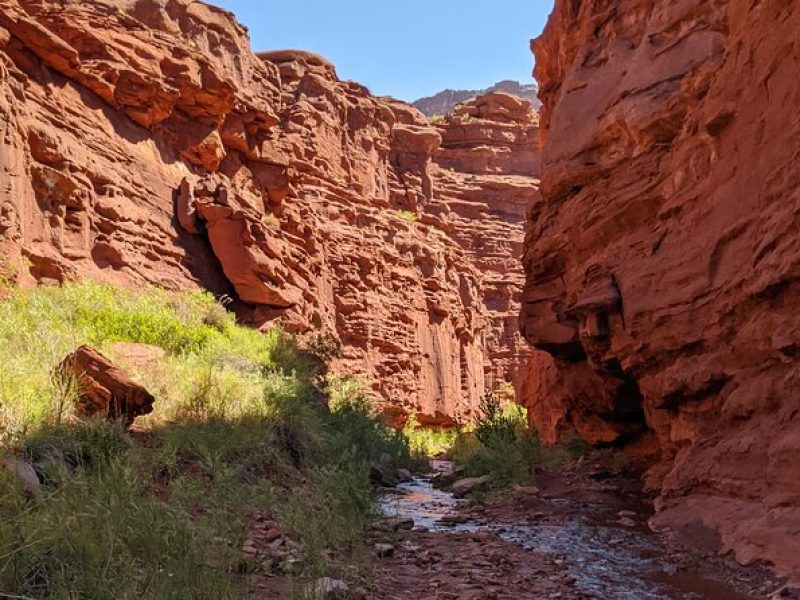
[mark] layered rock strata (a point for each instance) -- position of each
(143, 142)
(663, 260)
(488, 175)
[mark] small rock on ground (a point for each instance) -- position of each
(463, 487)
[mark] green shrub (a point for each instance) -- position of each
(502, 446)
(99, 535)
(359, 435)
(427, 443)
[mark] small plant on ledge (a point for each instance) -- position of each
(408, 216)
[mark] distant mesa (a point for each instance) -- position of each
(445, 101)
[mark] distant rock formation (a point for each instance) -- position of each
(445, 102)
(663, 259)
(143, 142)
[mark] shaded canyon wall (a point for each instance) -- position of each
(663, 259)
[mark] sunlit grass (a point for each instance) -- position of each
(237, 427)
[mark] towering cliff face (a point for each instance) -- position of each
(143, 142)
(488, 176)
(663, 261)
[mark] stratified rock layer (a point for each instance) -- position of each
(663, 261)
(143, 142)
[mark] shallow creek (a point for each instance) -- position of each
(608, 559)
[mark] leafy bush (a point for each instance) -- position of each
(427, 443)
(358, 435)
(498, 429)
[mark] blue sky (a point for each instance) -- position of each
(404, 48)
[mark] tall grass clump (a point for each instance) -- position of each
(240, 426)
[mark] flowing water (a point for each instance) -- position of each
(608, 560)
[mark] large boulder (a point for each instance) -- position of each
(23, 473)
(464, 487)
(105, 389)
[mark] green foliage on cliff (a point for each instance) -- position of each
(239, 428)
(408, 216)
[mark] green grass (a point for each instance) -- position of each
(239, 426)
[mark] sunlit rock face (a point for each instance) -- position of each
(662, 261)
(143, 142)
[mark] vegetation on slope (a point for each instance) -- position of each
(239, 429)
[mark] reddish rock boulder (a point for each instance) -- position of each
(663, 261)
(23, 474)
(105, 389)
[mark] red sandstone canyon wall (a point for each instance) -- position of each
(663, 259)
(143, 142)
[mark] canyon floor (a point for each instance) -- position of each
(580, 533)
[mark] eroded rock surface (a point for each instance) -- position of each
(663, 260)
(103, 388)
(143, 142)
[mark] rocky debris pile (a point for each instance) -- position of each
(662, 259)
(383, 473)
(270, 549)
(103, 388)
(390, 524)
(145, 143)
(465, 566)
